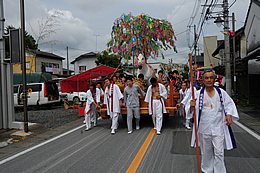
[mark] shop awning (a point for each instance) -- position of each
(80, 82)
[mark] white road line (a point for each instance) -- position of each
(248, 130)
(39, 145)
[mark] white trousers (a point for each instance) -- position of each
(187, 122)
(157, 115)
(94, 115)
(87, 120)
(212, 153)
(182, 110)
(114, 118)
(130, 111)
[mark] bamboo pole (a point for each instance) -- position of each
(171, 95)
(194, 115)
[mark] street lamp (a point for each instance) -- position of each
(218, 21)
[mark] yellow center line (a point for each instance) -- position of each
(139, 156)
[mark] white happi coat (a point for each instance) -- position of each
(117, 95)
(186, 99)
(101, 91)
(218, 126)
(90, 99)
(162, 92)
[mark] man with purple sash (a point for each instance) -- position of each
(215, 112)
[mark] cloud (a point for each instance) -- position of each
(83, 19)
(74, 33)
(93, 6)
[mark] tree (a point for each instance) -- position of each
(47, 27)
(30, 42)
(144, 35)
(111, 60)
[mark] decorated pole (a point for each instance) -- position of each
(142, 34)
(194, 116)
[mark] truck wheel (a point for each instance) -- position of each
(124, 116)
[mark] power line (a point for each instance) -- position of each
(232, 4)
(79, 49)
(192, 17)
(183, 51)
(177, 10)
(204, 16)
(194, 12)
(181, 32)
(181, 21)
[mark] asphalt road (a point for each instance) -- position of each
(99, 151)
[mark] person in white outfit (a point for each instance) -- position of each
(113, 99)
(155, 96)
(99, 86)
(184, 102)
(183, 92)
(131, 99)
(215, 112)
(93, 97)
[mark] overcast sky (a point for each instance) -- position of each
(82, 20)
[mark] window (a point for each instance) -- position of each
(28, 66)
(16, 89)
(50, 67)
(35, 88)
(44, 65)
(82, 68)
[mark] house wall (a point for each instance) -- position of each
(253, 88)
(30, 68)
(89, 62)
(242, 86)
(39, 61)
(36, 64)
(243, 47)
(252, 31)
(210, 45)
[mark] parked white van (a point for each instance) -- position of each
(38, 94)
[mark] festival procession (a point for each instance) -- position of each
(142, 102)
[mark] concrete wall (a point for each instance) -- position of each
(210, 45)
(7, 113)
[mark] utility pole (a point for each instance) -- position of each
(227, 49)
(133, 65)
(234, 55)
(195, 44)
(68, 66)
(24, 67)
(195, 47)
(3, 96)
(96, 41)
